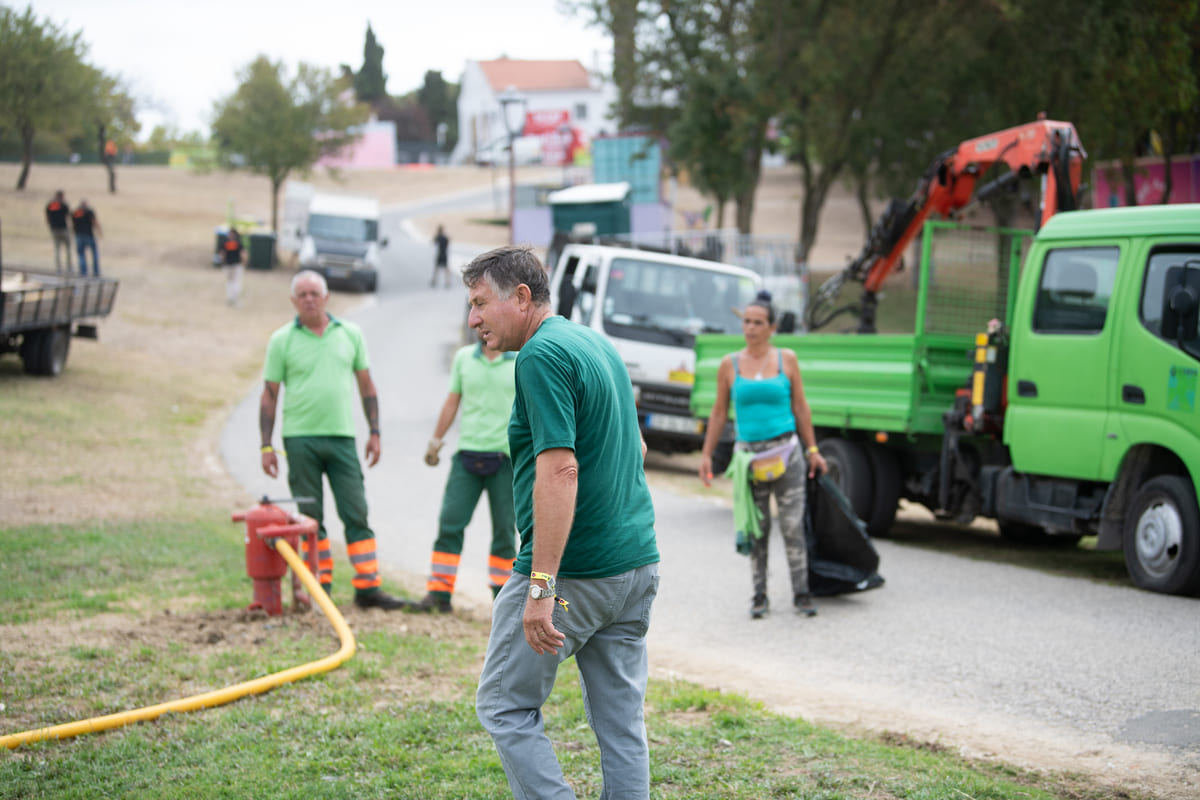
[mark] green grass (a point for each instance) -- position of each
(397, 720)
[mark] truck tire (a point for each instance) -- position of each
(722, 455)
(1161, 539)
(888, 483)
(44, 352)
(850, 469)
(371, 282)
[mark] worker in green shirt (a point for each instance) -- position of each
(319, 359)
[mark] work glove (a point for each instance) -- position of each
(431, 452)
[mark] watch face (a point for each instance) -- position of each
(536, 591)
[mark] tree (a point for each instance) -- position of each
(43, 80)
(109, 112)
(274, 125)
(439, 98)
(370, 84)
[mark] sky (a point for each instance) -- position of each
(178, 59)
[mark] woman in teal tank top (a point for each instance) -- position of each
(776, 450)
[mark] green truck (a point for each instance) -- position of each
(1049, 383)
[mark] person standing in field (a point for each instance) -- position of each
(442, 258)
(233, 256)
(481, 385)
(586, 573)
(87, 228)
(319, 359)
(57, 214)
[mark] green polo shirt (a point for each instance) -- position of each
(573, 391)
(487, 389)
(317, 373)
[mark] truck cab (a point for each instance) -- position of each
(341, 240)
(651, 306)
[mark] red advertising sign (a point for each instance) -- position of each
(545, 121)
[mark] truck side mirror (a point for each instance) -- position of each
(1181, 303)
(787, 322)
(383, 242)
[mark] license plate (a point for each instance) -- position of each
(673, 424)
(339, 272)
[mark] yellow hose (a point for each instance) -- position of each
(220, 696)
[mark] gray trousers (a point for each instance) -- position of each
(605, 630)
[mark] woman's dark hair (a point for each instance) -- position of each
(763, 299)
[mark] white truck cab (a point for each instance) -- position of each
(341, 240)
(651, 306)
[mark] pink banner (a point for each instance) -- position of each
(1149, 181)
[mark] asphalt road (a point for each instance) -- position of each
(990, 659)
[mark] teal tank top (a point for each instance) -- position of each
(763, 406)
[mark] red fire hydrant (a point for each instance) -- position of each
(265, 523)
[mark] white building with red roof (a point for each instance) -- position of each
(555, 94)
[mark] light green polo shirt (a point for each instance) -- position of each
(487, 389)
(317, 373)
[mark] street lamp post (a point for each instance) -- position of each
(510, 98)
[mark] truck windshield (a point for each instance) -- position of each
(346, 229)
(671, 303)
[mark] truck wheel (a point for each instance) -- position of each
(722, 455)
(45, 352)
(888, 482)
(370, 283)
(850, 469)
(1162, 537)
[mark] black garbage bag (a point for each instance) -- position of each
(841, 558)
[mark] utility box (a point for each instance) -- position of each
(596, 209)
(260, 252)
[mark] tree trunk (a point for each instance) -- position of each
(624, 71)
(1127, 174)
(26, 156)
(863, 194)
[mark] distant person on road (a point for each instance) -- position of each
(586, 573)
(319, 359)
(774, 434)
(233, 257)
(482, 386)
(57, 213)
(442, 259)
(87, 228)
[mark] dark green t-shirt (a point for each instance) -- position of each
(573, 391)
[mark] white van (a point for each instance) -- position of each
(341, 240)
(651, 305)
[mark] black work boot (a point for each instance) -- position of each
(433, 601)
(379, 599)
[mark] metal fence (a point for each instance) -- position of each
(970, 275)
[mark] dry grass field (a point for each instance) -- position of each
(173, 356)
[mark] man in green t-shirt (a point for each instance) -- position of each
(481, 386)
(318, 360)
(586, 573)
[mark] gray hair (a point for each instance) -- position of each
(506, 268)
(306, 274)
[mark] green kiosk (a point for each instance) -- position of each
(595, 209)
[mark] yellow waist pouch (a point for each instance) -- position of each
(771, 464)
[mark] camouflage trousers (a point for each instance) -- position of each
(789, 493)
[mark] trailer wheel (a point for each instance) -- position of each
(45, 352)
(850, 469)
(1162, 537)
(888, 483)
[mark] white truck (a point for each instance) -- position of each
(340, 240)
(651, 306)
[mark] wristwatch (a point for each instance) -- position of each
(537, 592)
